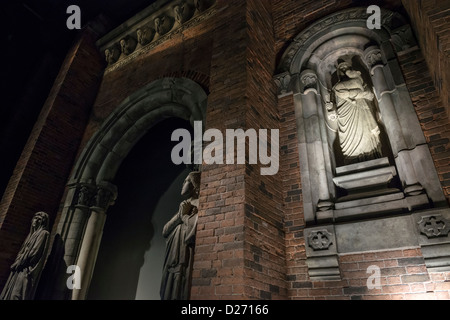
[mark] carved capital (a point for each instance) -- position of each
(283, 82)
(85, 195)
(309, 81)
(434, 226)
(373, 57)
(105, 196)
(320, 240)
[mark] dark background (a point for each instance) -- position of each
(34, 42)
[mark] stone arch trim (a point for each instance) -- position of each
(166, 97)
(90, 189)
(394, 28)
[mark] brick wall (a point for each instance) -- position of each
(41, 173)
(250, 241)
(431, 22)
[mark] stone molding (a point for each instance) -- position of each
(157, 25)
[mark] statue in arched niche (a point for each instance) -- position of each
(359, 132)
(180, 241)
(27, 267)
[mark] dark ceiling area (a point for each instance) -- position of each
(34, 42)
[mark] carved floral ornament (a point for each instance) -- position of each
(434, 226)
(149, 32)
(320, 240)
(100, 196)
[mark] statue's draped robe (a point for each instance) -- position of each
(180, 234)
(359, 133)
(22, 281)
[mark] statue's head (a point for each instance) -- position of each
(39, 221)
(191, 185)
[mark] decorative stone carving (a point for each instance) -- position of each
(127, 45)
(104, 198)
(202, 5)
(373, 58)
(359, 133)
(359, 14)
(283, 82)
(183, 12)
(180, 233)
(27, 268)
(145, 35)
(112, 55)
(309, 81)
(163, 24)
(158, 26)
(403, 38)
(434, 226)
(320, 240)
(85, 196)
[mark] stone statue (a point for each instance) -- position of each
(180, 241)
(359, 133)
(26, 269)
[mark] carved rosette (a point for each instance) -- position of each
(373, 58)
(151, 30)
(434, 226)
(320, 240)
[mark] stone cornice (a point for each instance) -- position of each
(154, 25)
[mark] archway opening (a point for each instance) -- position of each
(130, 260)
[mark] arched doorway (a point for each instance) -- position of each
(131, 255)
(91, 189)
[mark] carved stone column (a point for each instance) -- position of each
(401, 142)
(311, 143)
(105, 196)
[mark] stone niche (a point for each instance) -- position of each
(369, 182)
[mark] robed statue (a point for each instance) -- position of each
(180, 242)
(27, 267)
(359, 133)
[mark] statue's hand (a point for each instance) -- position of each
(185, 207)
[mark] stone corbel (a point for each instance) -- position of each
(433, 229)
(321, 253)
(183, 12)
(112, 54)
(127, 45)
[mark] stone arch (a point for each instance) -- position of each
(90, 189)
(306, 71)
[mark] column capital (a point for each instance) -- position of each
(373, 58)
(308, 81)
(106, 195)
